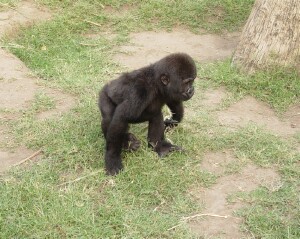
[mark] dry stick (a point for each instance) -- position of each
(28, 158)
(205, 214)
(17, 46)
(87, 44)
(93, 23)
(80, 178)
(185, 219)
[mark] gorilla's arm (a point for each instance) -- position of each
(177, 114)
(156, 131)
(156, 138)
(176, 110)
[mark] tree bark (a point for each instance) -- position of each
(270, 37)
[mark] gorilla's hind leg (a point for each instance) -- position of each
(107, 109)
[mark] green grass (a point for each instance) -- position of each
(217, 15)
(279, 87)
(42, 102)
(273, 215)
(6, 4)
(44, 200)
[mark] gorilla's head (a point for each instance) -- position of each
(177, 74)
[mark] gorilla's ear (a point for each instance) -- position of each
(164, 79)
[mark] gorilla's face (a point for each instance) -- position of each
(178, 75)
(180, 88)
(187, 89)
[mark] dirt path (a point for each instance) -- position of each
(18, 86)
(148, 47)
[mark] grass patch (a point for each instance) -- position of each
(42, 102)
(62, 61)
(6, 4)
(273, 215)
(129, 15)
(262, 147)
(135, 204)
(279, 87)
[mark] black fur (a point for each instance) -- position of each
(139, 96)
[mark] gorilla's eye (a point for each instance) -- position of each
(188, 80)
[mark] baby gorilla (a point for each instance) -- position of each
(139, 96)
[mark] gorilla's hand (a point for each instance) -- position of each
(170, 123)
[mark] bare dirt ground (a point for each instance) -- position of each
(251, 110)
(18, 87)
(148, 47)
(218, 219)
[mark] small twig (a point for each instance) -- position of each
(205, 78)
(13, 46)
(186, 219)
(202, 215)
(93, 23)
(171, 228)
(87, 44)
(80, 178)
(28, 158)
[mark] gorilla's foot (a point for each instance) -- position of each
(164, 148)
(113, 165)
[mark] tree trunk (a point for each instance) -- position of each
(270, 37)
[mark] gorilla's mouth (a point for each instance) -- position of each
(188, 94)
